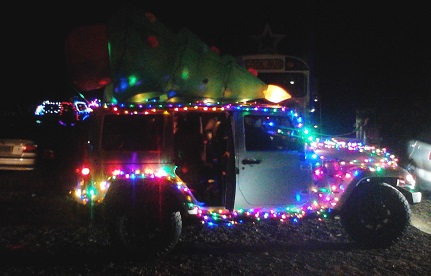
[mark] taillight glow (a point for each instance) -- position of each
(29, 148)
(85, 171)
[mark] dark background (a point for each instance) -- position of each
(362, 55)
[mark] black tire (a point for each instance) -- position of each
(143, 235)
(376, 215)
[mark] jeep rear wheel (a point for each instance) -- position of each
(149, 237)
(376, 215)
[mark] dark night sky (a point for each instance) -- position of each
(360, 54)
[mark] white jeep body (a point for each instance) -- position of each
(137, 166)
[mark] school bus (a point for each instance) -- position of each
(290, 73)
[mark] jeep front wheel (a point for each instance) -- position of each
(376, 215)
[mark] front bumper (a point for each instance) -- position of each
(413, 197)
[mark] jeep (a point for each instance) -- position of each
(148, 169)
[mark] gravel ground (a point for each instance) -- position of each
(40, 236)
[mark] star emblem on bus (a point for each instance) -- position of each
(267, 41)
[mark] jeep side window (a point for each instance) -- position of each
(189, 140)
(134, 133)
(256, 136)
(270, 133)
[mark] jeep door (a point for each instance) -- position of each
(272, 167)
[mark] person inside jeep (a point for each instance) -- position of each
(213, 159)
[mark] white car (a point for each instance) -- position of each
(419, 165)
(18, 154)
(18, 140)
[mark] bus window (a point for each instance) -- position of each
(294, 84)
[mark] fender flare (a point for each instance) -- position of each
(390, 177)
(153, 195)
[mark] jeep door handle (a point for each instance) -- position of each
(250, 161)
